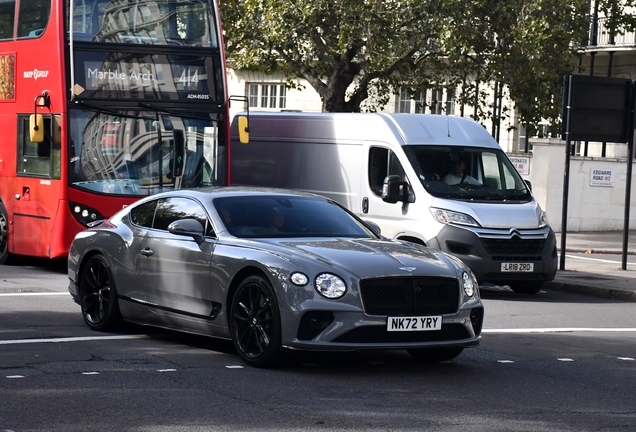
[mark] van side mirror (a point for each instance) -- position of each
(243, 130)
(36, 128)
(394, 190)
(528, 184)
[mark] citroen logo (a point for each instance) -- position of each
(408, 269)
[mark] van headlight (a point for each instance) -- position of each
(543, 219)
(448, 217)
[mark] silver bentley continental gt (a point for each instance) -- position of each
(272, 270)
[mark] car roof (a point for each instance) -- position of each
(205, 193)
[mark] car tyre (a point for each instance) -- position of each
(255, 323)
(530, 288)
(433, 355)
(4, 235)
(98, 296)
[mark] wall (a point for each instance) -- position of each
(590, 208)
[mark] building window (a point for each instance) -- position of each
(450, 100)
(267, 96)
(437, 101)
(404, 102)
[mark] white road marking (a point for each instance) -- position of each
(15, 376)
(505, 361)
(565, 359)
(561, 330)
(595, 259)
(71, 339)
(626, 358)
(166, 370)
(18, 294)
(90, 373)
(234, 367)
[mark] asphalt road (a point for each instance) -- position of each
(551, 362)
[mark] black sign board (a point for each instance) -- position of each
(599, 108)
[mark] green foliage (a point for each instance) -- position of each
(349, 49)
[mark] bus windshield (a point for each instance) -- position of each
(467, 173)
(142, 153)
(151, 22)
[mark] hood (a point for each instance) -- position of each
(367, 257)
(496, 215)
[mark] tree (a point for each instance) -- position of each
(345, 49)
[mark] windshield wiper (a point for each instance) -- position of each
(173, 112)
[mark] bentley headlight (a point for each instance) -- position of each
(447, 217)
(330, 285)
(469, 284)
(299, 279)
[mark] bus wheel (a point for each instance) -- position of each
(98, 296)
(4, 235)
(255, 323)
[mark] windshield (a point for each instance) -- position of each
(284, 216)
(148, 22)
(467, 173)
(142, 153)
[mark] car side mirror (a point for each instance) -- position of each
(188, 227)
(374, 227)
(394, 190)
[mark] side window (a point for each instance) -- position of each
(7, 19)
(33, 17)
(382, 162)
(39, 159)
(491, 170)
(143, 215)
(173, 209)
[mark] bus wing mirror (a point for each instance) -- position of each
(179, 155)
(243, 129)
(36, 128)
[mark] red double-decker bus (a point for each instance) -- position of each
(103, 102)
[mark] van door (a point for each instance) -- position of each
(382, 162)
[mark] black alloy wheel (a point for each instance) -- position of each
(4, 234)
(432, 355)
(255, 323)
(98, 296)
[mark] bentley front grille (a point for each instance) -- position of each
(410, 296)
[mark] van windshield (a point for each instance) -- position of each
(471, 173)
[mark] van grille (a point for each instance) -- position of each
(410, 295)
(514, 246)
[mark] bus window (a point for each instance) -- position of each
(33, 17)
(39, 159)
(7, 16)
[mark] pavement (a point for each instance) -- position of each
(600, 271)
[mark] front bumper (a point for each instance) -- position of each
(484, 251)
(351, 331)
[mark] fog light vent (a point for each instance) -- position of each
(313, 323)
(477, 319)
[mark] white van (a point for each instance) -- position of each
(403, 172)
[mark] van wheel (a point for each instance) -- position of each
(526, 287)
(4, 235)
(432, 355)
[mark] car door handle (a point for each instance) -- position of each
(147, 252)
